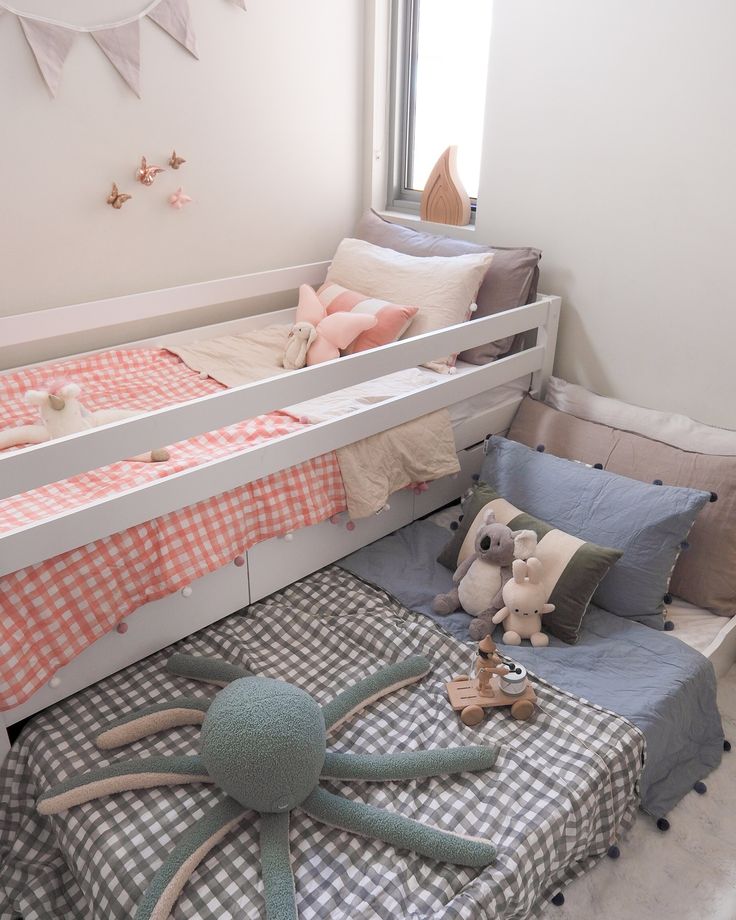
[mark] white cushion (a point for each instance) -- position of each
(668, 427)
(443, 287)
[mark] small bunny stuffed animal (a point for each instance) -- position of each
(298, 344)
(524, 597)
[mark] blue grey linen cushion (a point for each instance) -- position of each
(648, 523)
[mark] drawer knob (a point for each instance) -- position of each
(239, 561)
(350, 525)
(121, 628)
(55, 682)
(186, 592)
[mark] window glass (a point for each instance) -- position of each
(447, 96)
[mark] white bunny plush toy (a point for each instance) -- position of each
(524, 597)
(62, 414)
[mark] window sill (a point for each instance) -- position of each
(414, 221)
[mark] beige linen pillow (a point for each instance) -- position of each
(443, 287)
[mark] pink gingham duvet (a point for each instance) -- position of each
(52, 611)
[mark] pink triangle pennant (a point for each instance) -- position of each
(173, 16)
(50, 45)
(122, 47)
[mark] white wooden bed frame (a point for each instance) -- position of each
(272, 564)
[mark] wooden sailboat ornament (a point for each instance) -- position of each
(444, 199)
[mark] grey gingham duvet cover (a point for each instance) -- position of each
(563, 788)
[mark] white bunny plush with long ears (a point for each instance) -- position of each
(62, 414)
(524, 597)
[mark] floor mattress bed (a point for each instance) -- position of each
(563, 789)
(659, 683)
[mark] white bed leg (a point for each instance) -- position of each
(4, 743)
(547, 338)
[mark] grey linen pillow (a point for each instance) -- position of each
(573, 567)
(510, 282)
(648, 523)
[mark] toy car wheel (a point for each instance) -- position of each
(472, 715)
(522, 710)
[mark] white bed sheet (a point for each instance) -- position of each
(351, 399)
(489, 399)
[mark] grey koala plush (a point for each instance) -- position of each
(480, 579)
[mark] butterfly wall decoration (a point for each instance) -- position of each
(146, 174)
(175, 162)
(179, 199)
(116, 198)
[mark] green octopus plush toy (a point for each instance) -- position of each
(264, 744)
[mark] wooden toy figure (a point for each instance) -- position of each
(498, 681)
(488, 663)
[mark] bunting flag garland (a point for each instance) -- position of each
(51, 41)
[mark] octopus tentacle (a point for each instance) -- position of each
(184, 710)
(401, 832)
(194, 844)
(209, 670)
(278, 878)
(141, 773)
(373, 688)
(409, 764)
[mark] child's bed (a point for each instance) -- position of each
(98, 572)
(265, 489)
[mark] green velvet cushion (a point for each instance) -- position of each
(575, 566)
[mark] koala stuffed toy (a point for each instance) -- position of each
(480, 579)
(524, 599)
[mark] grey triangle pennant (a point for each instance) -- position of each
(173, 16)
(50, 45)
(122, 46)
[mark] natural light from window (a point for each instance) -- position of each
(453, 39)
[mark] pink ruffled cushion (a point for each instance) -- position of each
(392, 320)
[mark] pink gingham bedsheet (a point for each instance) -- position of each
(52, 611)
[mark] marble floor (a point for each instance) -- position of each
(687, 873)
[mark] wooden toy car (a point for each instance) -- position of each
(466, 698)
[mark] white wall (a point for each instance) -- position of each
(269, 119)
(610, 142)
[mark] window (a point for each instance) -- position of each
(440, 65)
